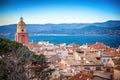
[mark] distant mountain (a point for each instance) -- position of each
(108, 24)
(111, 27)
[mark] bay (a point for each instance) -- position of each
(112, 41)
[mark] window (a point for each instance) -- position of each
(107, 69)
(107, 60)
(22, 30)
(98, 68)
(87, 68)
(104, 60)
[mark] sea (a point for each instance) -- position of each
(112, 41)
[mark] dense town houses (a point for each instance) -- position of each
(88, 61)
(75, 62)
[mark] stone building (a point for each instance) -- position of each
(21, 34)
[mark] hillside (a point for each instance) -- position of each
(106, 28)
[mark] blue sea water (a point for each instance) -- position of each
(112, 41)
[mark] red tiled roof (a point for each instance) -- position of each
(118, 67)
(98, 46)
(116, 62)
(56, 79)
(32, 45)
(113, 53)
(82, 76)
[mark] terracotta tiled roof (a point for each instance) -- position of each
(118, 67)
(56, 79)
(113, 53)
(81, 76)
(98, 46)
(116, 61)
(32, 45)
(102, 75)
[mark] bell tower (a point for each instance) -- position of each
(21, 34)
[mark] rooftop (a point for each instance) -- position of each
(98, 46)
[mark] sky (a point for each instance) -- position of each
(58, 11)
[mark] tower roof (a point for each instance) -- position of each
(21, 19)
(21, 23)
(21, 26)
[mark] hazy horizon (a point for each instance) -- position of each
(58, 11)
(57, 23)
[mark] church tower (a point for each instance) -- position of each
(21, 34)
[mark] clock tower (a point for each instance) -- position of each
(21, 34)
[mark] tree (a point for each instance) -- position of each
(40, 68)
(14, 59)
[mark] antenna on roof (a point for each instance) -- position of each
(21, 14)
(21, 18)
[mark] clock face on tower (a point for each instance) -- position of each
(22, 30)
